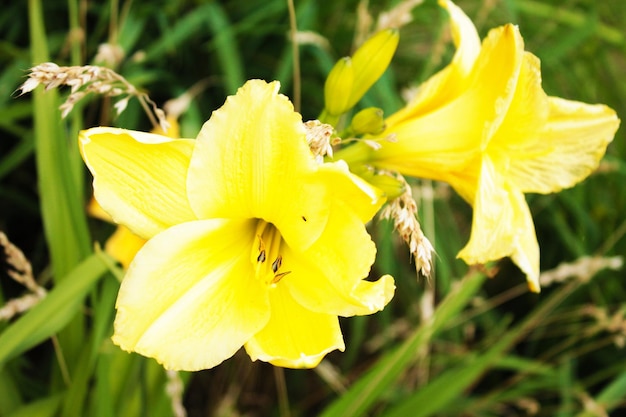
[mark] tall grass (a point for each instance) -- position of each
(488, 348)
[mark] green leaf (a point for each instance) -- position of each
(46, 407)
(103, 309)
(610, 397)
(60, 190)
(371, 386)
(53, 312)
(449, 385)
(226, 48)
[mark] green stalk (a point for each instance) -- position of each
(76, 116)
(62, 207)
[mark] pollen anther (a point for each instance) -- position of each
(277, 263)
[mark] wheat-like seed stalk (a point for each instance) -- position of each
(21, 271)
(87, 79)
(612, 322)
(320, 138)
(403, 211)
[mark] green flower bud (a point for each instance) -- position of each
(388, 184)
(368, 121)
(392, 187)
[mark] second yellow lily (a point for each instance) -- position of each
(484, 125)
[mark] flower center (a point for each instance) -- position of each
(266, 253)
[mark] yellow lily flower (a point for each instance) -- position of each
(251, 241)
(484, 125)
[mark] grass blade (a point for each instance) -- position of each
(53, 312)
(358, 399)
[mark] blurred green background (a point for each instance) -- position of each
(481, 348)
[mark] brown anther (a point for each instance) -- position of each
(280, 276)
(261, 257)
(277, 263)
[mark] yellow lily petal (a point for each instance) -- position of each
(546, 143)
(526, 253)
(329, 276)
(263, 169)
(451, 81)
(294, 337)
(361, 197)
(566, 149)
(446, 143)
(493, 234)
(123, 245)
(502, 226)
(139, 178)
(190, 298)
(465, 39)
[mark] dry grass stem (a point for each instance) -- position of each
(307, 37)
(364, 21)
(403, 211)
(614, 323)
(174, 390)
(19, 305)
(177, 106)
(399, 16)
(87, 79)
(592, 406)
(109, 55)
(21, 271)
(530, 406)
(583, 269)
(332, 376)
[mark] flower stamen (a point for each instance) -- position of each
(278, 277)
(277, 263)
(261, 257)
(268, 247)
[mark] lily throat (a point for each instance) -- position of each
(266, 253)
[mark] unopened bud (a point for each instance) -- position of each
(338, 87)
(371, 60)
(368, 121)
(391, 186)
